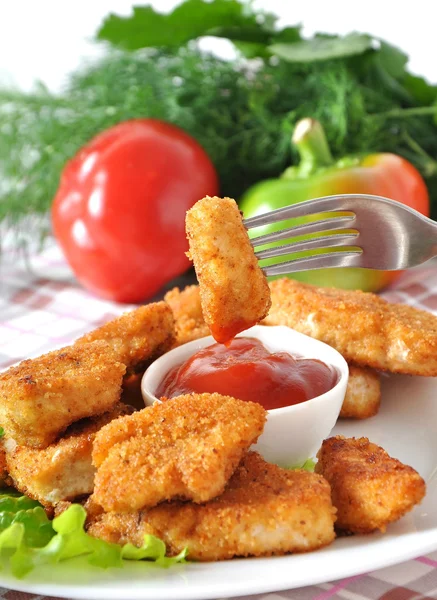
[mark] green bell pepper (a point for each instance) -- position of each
(317, 175)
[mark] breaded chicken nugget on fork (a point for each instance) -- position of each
(187, 447)
(233, 289)
(364, 328)
(137, 336)
(41, 397)
(369, 488)
(264, 510)
(63, 470)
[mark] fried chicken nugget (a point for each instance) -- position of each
(63, 470)
(187, 447)
(137, 336)
(363, 394)
(364, 328)
(41, 397)
(233, 289)
(93, 510)
(369, 488)
(187, 311)
(264, 510)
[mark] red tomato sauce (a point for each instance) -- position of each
(247, 370)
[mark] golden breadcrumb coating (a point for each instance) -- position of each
(369, 488)
(364, 328)
(264, 510)
(137, 336)
(187, 311)
(59, 508)
(363, 394)
(187, 447)
(41, 397)
(233, 289)
(63, 470)
(93, 510)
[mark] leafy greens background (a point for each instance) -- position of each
(242, 112)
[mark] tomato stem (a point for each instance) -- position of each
(310, 139)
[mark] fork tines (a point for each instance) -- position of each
(324, 231)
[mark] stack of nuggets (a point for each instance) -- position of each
(51, 407)
(197, 484)
(181, 470)
(263, 510)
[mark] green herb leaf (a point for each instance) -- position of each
(229, 107)
(393, 60)
(251, 49)
(422, 91)
(323, 48)
(390, 67)
(288, 35)
(190, 20)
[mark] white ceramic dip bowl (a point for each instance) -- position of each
(294, 433)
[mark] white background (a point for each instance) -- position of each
(47, 38)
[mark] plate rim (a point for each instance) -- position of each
(243, 588)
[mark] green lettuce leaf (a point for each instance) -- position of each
(13, 502)
(72, 540)
(29, 539)
(322, 47)
(152, 549)
(14, 509)
(308, 465)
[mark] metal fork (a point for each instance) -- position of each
(359, 230)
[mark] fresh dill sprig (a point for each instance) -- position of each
(242, 112)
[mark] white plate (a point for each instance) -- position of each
(406, 427)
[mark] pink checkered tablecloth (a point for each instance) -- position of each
(41, 307)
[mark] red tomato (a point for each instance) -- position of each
(119, 212)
